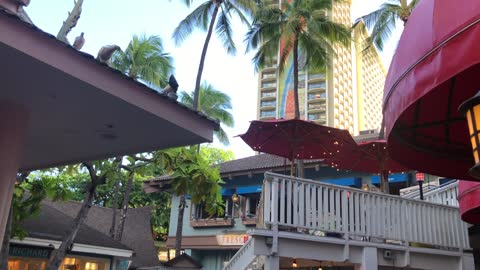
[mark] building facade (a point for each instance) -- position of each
(347, 95)
(214, 240)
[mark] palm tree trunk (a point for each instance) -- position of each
(114, 208)
(301, 167)
(6, 241)
(178, 235)
(71, 21)
(67, 242)
(123, 214)
(204, 54)
(295, 77)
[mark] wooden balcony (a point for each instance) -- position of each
(315, 221)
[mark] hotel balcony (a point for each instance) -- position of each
(316, 108)
(314, 224)
(267, 114)
(315, 77)
(316, 97)
(313, 87)
(268, 95)
(270, 68)
(268, 76)
(271, 85)
(268, 104)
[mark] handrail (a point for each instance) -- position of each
(302, 203)
(239, 253)
(267, 174)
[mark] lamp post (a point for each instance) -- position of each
(420, 177)
(471, 110)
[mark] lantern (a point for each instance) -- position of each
(471, 110)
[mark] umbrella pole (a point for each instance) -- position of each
(292, 163)
(384, 182)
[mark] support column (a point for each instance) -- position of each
(467, 262)
(272, 263)
(13, 125)
(369, 259)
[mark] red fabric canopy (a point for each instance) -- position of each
(469, 201)
(435, 68)
(369, 156)
(296, 139)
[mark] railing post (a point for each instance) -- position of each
(267, 200)
(275, 215)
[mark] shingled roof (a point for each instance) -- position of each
(53, 224)
(261, 162)
(137, 233)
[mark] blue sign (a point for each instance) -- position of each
(392, 178)
(249, 189)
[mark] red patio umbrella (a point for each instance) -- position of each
(370, 157)
(435, 68)
(296, 139)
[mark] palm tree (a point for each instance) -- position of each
(302, 26)
(205, 16)
(382, 22)
(215, 104)
(145, 60)
(193, 175)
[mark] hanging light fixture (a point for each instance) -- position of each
(471, 110)
(235, 198)
(294, 263)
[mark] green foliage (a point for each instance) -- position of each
(215, 155)
(194, 175)
(382, 22)
(216, 105)
(201, 16)
(306, 21)
(145, 60)
(28, 196)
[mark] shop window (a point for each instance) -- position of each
(91, 266)
(200, 211)
(70, 264)
(252, 201)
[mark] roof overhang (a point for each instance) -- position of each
(80, 109)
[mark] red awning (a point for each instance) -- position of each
(435, 68)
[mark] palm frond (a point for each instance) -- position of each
(224, 32)
(216, 105)
(198, 18)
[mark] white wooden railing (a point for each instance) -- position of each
(446, 194)
(299, 203)
(242, 258)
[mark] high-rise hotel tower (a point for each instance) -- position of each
(348, 95)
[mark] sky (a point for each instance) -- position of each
(115, 21)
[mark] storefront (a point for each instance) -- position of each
(28, 257)
(24, 257)
(91, 250)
